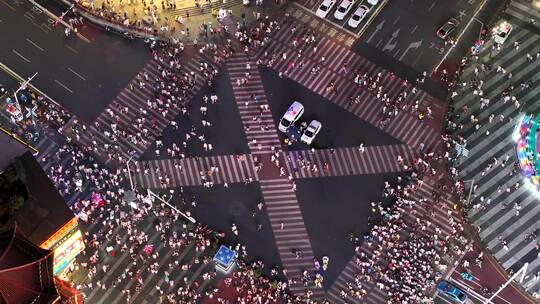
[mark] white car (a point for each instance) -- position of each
(501, 32)
(343, 9)
(294, 112)
(358, 16)
(373, 2)
(311, 131)
(325, 8)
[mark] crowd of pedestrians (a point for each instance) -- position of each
(404, 255)
(170, 90)
(119, 225)
(303, 48)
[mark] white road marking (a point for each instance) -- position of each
(78, 75)
(397, 19)
(19, 54)
(414, 29)
(478, 9)
(431, 7)
(20, 78)
(63, 86)
(34, 44)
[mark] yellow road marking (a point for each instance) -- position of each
(11, 7)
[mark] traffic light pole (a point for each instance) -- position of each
(153, 195)
(53, 16)
(22, 87)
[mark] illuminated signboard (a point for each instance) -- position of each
(66, 242)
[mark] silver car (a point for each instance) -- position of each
(311, 131)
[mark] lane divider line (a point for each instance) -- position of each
(19, 54)
(34, 44)
(21, 79)
(63, 86)
(77, 74)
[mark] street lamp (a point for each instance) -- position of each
(23, 86)
(153, 195)
(470, 189)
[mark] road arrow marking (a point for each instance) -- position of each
(377, 28)
(412, 45)
(391, 44)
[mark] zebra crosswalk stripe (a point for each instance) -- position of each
(500, 220)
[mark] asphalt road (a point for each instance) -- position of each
(490, 276)
(340, 128)
(226, 133)
(83, 75)
(333, 208)
(406, 30)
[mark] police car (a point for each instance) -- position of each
(501, 32)
(294, 112)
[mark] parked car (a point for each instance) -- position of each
(325, 8)
(452, 291)
(358, 16)
(311, 131)
(343, 9)
(293, 113)
(447, 28)
(501, 32)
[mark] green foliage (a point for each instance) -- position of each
(15, 203)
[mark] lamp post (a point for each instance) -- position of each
(151, 194)
(470, 189)
(23, 86)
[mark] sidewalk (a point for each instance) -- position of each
(180, 19)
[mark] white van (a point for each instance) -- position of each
(294, 112)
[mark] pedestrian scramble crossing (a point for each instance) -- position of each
(195, 171)
(121, 265)
(439, 212)
(289, 231)
(502, 206)
(253, 105)
(48, 145)
(130, 140)
(304, 64)
(350, 161)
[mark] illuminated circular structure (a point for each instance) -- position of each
(526, 139)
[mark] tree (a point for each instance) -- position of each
(15, 203)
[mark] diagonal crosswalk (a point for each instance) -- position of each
(304, 65)
(196, 171)
(252, 104)
(502, 207)
(442, 216)
(167, 259)
(350, 161)
(54, 154)
(132, 103)
(289, 231)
